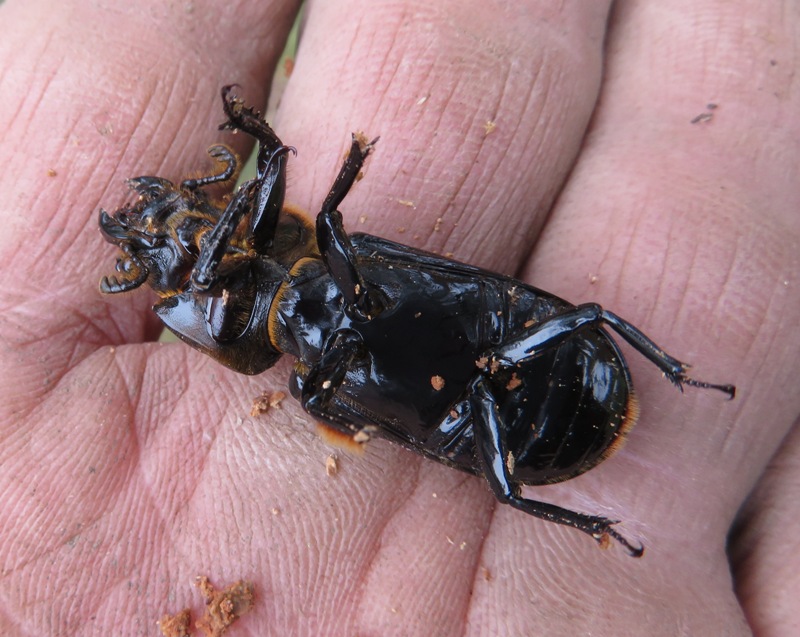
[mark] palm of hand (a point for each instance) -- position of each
(129, 467)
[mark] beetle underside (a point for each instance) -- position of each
(465, 366)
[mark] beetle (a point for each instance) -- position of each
(473, 369)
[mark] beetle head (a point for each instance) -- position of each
(159, 236)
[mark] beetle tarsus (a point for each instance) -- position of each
(606, 529)
(223, 155)
(701, 384)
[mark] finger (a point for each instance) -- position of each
(764, 547)
(665, 221)
(671, 218)
(428, 83)
(117, 90)
(480, 108)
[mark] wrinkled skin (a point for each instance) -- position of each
(128, 467)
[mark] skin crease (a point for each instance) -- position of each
(128, 467)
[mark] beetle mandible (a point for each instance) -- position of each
(470, 368)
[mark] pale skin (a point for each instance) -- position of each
(553, 143)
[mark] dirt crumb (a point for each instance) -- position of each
(176, 625)
(437, 382)
(331, 465)
(265, 402)
(223, 607)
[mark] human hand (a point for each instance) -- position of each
(127, 467)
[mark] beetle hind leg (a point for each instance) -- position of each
(555, 330)
(492, 452)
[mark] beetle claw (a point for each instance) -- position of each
(605, 530)
(680, 379)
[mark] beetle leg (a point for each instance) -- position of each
(223, 155)
(334, 244)
(317, 388)
(270, 193)
(218, 242)
(348, 173)
(214, 246)
(672, 368)
(492, 452)
(327, 375)
(247, 120)
(554, 330)
(270, 167)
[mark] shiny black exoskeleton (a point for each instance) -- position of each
(470, 368)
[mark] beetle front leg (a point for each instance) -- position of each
(492, 452)
(270, 168)
(334, 244)
(216, 244)
(247, 120)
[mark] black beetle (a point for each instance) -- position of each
(471, 368)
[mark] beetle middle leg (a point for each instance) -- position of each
(334, 244)
(553, 331)
(317, 389)
(492, 452)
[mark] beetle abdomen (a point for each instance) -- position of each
(571, 411)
